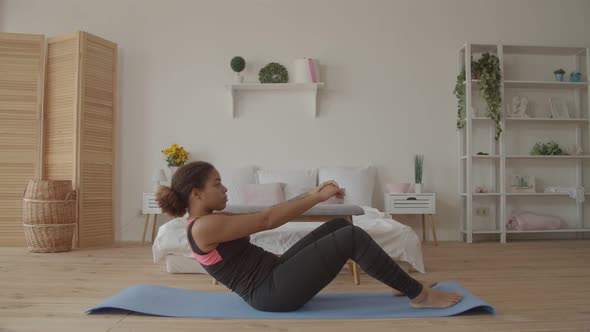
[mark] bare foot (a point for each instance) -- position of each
(395, 292)
(432, 298)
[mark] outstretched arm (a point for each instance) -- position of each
(216, 228)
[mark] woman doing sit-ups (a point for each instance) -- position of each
(221, 244)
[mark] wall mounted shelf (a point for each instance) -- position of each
(235, 88)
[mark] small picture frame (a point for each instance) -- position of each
(559, 108)
(522, 184)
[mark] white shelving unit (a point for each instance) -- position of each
(312, 88)
(500, 156)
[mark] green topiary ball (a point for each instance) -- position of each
(273, 73)
(237, 64)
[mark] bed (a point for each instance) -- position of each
(250, 185)
(399, 241)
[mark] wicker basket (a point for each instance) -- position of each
(49, 238)
(49, 215)
(49, 202)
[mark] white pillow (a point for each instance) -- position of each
(357, 181)
(233, 178)
(267, 194)
(294, 182)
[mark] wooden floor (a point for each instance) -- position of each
(536, 286)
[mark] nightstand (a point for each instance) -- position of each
(150, 207)
(411, 203)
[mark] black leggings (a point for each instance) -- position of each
(315, 260)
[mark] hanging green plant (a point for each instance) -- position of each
(460, 92)
(487, 69)
(273, 73)
(489, 88)
(461, 103)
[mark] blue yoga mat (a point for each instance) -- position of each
(175, 302)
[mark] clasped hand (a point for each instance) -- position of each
(328, 189)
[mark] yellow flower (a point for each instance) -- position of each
(175, 155)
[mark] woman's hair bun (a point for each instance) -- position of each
(170, 202)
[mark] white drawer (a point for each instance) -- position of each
(410, 203)
(150, 205)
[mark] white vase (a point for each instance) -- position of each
(238, 78)
(418, 188)
(173, 170)
(169, 173)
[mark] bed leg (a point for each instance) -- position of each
(355, 273)
(145, 226)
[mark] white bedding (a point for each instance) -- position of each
(181, 264)
(399, 241)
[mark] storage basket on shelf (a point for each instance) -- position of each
(49, 215)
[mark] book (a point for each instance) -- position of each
(312, 70)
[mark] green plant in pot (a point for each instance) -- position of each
(547, 149)
(273, 73)
(460, 91)
(489, 88)
(418, 172)
(475, 69)
(238, 64)
(559, 74)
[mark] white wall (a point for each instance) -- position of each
(389, 68)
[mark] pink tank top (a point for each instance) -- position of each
(237, 264)
(210, 258)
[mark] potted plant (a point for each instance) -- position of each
(576, 76)
(418, 169)
(176, 156)
(489, 88)
(559, 74)
(475, 69)
(487, 69)
(238, 64)
(547, 149)
(461, 102)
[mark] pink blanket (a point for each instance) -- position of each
(528, 221)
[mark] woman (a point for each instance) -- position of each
(221, 244)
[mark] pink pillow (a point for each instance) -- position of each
(262, 194)
(528, 221)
